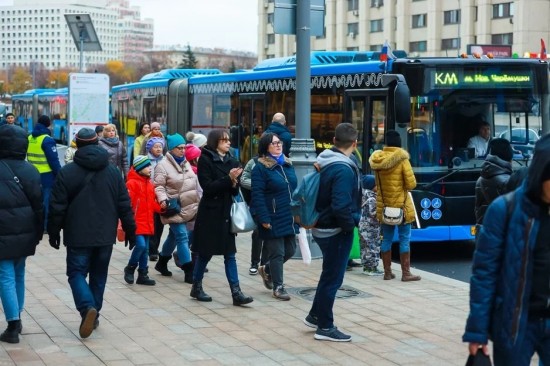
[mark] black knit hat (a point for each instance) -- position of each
(501, 148)
(44, 120)
(86, 136)
(393, 139)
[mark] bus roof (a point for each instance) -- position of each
(178, 73)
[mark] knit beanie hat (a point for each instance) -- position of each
(44, 120)
(192, 152)
(501, 148)
(199, 140)
(175, 140)
(368, 182)
(154, 140)
(141, 162)
(393, 139)
(155, 125)
(86, 136)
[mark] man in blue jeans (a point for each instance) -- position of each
(88, 198)
(339, 203)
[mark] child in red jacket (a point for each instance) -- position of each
(144, 204)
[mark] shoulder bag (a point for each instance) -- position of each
(391, 215)
(241, 219)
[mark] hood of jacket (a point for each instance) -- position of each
(39, 130)
(277, 128)
(270, 163)
(538, 169)
(493, 166)
(13, 142)
(387, 158)
(330, 156)
(91, 157)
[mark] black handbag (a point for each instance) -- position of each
(172, 207)
(480, 359)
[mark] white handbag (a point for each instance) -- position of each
(241, 219)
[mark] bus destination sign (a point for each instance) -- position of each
(478, 78)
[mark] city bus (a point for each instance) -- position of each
(145, 101)
(34, 103)
(447, 99)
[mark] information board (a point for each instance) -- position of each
(88, 101)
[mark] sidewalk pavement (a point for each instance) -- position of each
(392, 322)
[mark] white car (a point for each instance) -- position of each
(518, 140)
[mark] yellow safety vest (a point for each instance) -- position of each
(36, 156)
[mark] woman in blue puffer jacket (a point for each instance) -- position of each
(273, 181)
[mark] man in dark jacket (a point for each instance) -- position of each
(21, 224)
(339, 204)
(42, 153)
(510, 283)
(495, 173)
(88, 199)
(278, 127)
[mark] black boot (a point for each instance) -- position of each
(143, 279)
(198, 293)
(188, 270)
(11, 334)
(129, 274)
(162, 265)
(238, 297)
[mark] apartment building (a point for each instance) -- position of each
(35, 32)
(420, 27)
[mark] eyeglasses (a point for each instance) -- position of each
(276, 143)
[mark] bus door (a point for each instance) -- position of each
(147, 110)
(121, 122)
(366, 110)
(245, 135)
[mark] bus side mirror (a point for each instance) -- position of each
(401, 101)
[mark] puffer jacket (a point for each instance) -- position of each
(173, 180)
(21, 211)
(144, 202)
(272, 187)
(495, 174)
(395, 178)
(117, 154)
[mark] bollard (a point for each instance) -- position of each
(302, 154)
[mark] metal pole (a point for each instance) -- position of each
(303, 70)
(81, 51)
(459, 21)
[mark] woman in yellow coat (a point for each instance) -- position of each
(394, 179)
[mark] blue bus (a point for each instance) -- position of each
(447, 99)
(33, 103)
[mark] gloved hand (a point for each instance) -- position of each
(130, 241)
(55, 240)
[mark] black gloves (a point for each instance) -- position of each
(130, 241)
(55, 240)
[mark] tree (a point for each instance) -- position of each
(21, 80)
(58, 78)
(119, 73)
(189, 61)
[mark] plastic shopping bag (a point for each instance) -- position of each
(304, 246)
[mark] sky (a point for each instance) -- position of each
(229, 24)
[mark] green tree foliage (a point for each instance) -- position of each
(189, 61)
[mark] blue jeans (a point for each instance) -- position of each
(177, 237)
(336, 250)
(404, 232)
(140, 253)
(12, 287)
(92, 261)
(537, 339)
(229, 262)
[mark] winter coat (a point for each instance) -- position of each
(495, 174)
(284, 135)
(21, 211)
(173, 180)
(50, 150)
(88, 213)
(144, 202)
(117, 154)
(339, 200)
(369, 226)
(212, 235)
(394, 178)
(272, 187)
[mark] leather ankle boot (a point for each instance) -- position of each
(129, 274)
(143, 278)
(238, 297)
(162, 265)
(406, 268)
(198, 293)
(386, 261)
(188, 270)
(11, 334)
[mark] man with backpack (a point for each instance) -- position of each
(339, 207)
